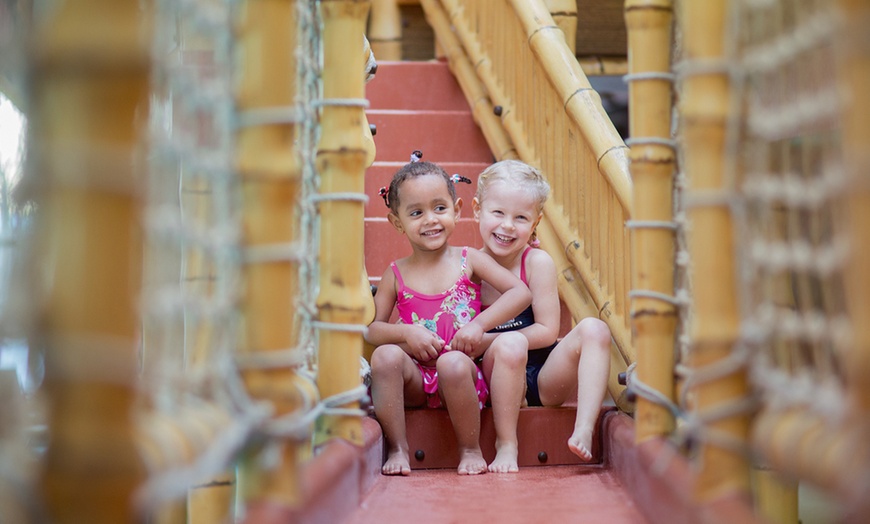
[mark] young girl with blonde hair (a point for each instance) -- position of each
(508, 206)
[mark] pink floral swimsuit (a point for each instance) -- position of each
(443, 314)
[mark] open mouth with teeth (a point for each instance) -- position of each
(432, 233)
(502, 239)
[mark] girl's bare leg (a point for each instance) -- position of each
(395, 377)
(581, 359)
(504, 366)
(456, 374)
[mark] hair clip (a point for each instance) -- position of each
(416, 155)
(384, 194)
(533, 240)
(457, 178)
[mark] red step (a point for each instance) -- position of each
(442, 136)
(542, 434)
(428, 86)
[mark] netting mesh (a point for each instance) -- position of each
(791, 175)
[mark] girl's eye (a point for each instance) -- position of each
(522, 218)
(415, 213)
(497, 212)
(440, 208)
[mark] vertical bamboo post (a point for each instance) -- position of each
(385, 29)
(854, 74)
(90, 65)
(341, 162)
(270, 173)
(704, 113)
(654, 321)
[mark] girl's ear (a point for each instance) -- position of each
(457, 207)
(475, 208)
(396, 222)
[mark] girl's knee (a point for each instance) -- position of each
(511, 349)
(387, 358)
(593, 331)
(453, 365)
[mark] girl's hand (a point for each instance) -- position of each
(468, 339)
(423, 345)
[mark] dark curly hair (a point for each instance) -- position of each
(414, 170)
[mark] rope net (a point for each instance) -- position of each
(784, 187)
(795, 239)
(192, 368)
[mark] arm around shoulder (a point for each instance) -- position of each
(515, 296)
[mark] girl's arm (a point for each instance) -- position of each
(541, 275)
(417, 341)
(514, 298)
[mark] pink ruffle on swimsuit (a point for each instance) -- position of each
(443, 314)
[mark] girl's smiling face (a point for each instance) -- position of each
(426, 213)
(507, 217)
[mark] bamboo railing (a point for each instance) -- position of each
(530, 76)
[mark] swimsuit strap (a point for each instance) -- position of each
(523, 266)
(463, 262)
(399, 281)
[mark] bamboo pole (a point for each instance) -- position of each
(341, 162)
(704, 110)
(652, 169)
(854, 75)
(776, 496)
(270, 173)
(89, 72)
(385, 29)
(564, 13)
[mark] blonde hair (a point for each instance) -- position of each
(516, 174)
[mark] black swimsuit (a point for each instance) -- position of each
(537, 357)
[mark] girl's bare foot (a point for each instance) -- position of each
(471, 462)
(580, 443)
(505, 459)
(397, 463)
